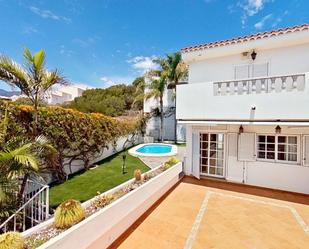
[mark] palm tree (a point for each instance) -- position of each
(156, 90)
(175, 70)
(33, 79)
(139, 84)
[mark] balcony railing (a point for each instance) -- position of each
(270, 84)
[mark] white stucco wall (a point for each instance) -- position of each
(284, 176)
(285, 55)
(197, 101)
(282, 61)
(121, 144)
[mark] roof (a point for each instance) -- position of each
(247, 38)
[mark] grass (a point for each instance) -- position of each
(107, 175)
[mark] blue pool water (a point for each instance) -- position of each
(155, 149)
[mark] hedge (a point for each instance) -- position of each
(75, 135)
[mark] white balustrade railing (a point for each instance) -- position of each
(269, 84)
(35, 209)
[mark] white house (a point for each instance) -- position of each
(64, 94)
(246, 109)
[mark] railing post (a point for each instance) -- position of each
(47, 202)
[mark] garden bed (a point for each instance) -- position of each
(109, 214)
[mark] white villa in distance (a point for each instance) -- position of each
(62, 94)
(246, 109)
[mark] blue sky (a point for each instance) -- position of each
(103, 42)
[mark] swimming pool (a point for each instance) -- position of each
(154, 149)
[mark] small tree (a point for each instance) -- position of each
(33, 79)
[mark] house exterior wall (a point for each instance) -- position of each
(282, 61)
(197, 101)
(64, 94)
(284, 176)
(285, 55)
(217, 100)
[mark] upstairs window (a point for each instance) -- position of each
(251, 71)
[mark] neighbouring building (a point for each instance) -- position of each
(153, 124)
(64, 94)
(246, 109)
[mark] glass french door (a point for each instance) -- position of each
(212, 154)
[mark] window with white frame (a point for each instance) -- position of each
(282, 148)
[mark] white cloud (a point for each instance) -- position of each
(66, 52)
(261, 23)
(114, 80)
(29, 30)
(143, 63)
(251, 8)
(47, 14)
(84, 42)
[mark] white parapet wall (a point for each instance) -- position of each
(102, 228)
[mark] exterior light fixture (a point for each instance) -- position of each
(241, 129)
(278, 129)
(124, 156)
(253, 55)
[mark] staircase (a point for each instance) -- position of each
(35, 209)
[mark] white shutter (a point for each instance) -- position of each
(306, 150)
(242, 72)
(196, 154)
(246, 147)
(232, 145)
(260, 70)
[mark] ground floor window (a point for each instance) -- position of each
(282, 148)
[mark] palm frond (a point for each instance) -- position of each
(3, 126)
(14, 74)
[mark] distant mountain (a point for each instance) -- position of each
(8, 93)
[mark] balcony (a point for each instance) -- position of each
(283, 97)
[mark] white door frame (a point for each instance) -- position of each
(224, 153)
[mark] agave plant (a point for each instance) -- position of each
(68, 213)
(11, 240)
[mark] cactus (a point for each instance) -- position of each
(137, 175)
(11, 240)
(68, 213)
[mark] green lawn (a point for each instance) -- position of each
(107, 175)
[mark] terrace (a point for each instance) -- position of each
(214, 214)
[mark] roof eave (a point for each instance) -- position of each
(284, 40)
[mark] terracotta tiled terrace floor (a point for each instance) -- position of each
(204, 214)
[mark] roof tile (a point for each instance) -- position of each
(246, 38)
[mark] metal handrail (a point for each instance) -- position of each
(29, 204)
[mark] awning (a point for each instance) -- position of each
(239, 122)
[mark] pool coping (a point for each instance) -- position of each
(133, 151)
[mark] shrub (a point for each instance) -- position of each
(101, 201)
(146, 177)
(170, 162)
(68, 213)
(138, 175)
(75, 135)
(11, 240)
